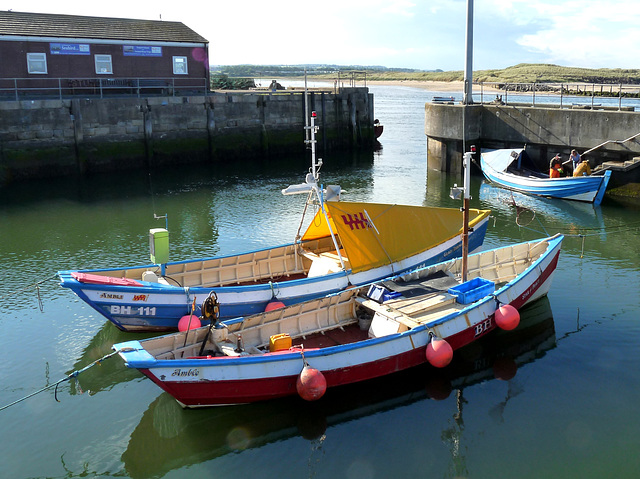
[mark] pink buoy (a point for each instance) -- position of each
(507, 317)
(271, 305)
(439, 352)
(311, 384)
(184, 325)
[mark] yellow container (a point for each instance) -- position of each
(278, 342)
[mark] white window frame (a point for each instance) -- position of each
(178, 62)
(100, 62)
(33, 60)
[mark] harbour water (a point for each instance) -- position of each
(556, 398)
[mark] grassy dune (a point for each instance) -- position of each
(522, 73)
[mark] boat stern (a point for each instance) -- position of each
(134, 355)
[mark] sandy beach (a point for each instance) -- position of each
(436, 86)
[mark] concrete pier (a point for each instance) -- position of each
(544, 131)
(47, 138)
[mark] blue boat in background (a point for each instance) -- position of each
(512, 169)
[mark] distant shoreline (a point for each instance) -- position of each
(436, 86)
(429, 85)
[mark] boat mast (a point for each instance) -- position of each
(313, 189)
(465, 211)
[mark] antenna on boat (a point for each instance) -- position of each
(316, 194)
(311, 180)
(306, 108)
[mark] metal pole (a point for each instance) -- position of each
(465, 213)
(306, 108)
(620, 98)
(468, 67)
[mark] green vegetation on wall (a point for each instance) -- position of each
(222, 81)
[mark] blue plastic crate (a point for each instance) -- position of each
(472, 290)
(381, 294)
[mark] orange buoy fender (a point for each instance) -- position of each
(189, 322)
(271, 305)
(507, 317)
(439, 352)
(311, 384)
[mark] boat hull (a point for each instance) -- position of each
(590, 189)
(222, 381)
(145, 306)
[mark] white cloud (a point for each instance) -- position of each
(400, 7)
(422, 34)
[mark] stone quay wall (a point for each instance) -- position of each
(544, 131)
(48, 138)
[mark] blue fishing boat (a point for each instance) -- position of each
(512, 169)
(345, 244)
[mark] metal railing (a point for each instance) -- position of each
(579, 94)
(59, 88)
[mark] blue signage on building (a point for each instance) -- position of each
(69, 49)
(141, 51)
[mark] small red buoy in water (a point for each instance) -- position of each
(184, 324)
(507, 317)
(439, 352)
(311, 384)
(271, 305)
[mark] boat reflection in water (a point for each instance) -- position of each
(111, 372)
(169, 437)
(552, 215)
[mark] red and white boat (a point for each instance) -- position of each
(308, 347)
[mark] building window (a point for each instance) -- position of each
(37, 62)
(103, 64)
(180, 66)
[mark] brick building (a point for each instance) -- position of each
(78, 54)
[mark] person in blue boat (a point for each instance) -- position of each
(575, 159)
(555, 167)
(580, 166)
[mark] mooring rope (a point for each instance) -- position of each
(72, 375)
(585, 232)
(35, 286)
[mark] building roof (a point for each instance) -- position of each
(74, 26)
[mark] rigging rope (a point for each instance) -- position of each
(55, 385)
(594, 231)
(35, 286)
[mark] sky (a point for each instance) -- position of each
(418, 34)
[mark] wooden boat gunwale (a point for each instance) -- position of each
(146, 359)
